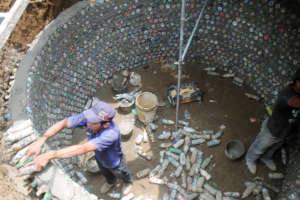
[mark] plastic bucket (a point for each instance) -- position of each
(146, 104)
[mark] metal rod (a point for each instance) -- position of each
(182, 17)
(193, 32)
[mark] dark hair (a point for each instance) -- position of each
(104, 122)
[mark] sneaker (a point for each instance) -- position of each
(126, 188)
(105, 188)
(270, 164)
(251, 166)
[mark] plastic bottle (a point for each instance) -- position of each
(23, 162)
(164, 135)
(186, 144)
(167, 121)
(114, 195)
(269, 109)
(81, 177)
(143, 173)
(173, 162)
(193, 169)
(228, 75)
(232, 194)
(187, 162)
(200, 183)
(128, 196)
(187, 115)
(205, 174)
(178, 171)
(183, 179)
(157, 181)
(213, 142)
(207, 132)
(161, 154)
(145, 136)
(182, 158)
(276, 175)
(174, 156)
(154, 171)
(24, 142)
(266, 194)
(219, 195)
(178, 143)
(20, 154)
(173, 194)
(165, 196)
(18, 135)
(249, 189)
(197, 141)
(144, 155)
(184, 123)
(210, 189)
(165, 145)
(19, 127)
(189, 181)
(194, 154)
(190, 130)
(252, 96)
(139, 139)
(206, 162)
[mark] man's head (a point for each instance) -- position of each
(99, 116)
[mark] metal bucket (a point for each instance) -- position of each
(234, 149)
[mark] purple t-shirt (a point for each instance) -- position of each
(107, 141)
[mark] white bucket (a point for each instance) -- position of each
(146, 104)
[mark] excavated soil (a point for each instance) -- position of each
(36, 16)
(5, 5)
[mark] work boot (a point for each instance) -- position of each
(269, 163)
(106, 187)
(126, 188)
(251, 166)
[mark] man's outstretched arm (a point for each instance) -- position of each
(35, 148)
(42, 160)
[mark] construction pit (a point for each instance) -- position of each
(75, 57)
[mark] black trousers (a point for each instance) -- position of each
(121, 171)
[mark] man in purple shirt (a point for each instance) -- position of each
(104, 139)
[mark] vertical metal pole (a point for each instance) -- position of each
(182, 18)
(193, 32)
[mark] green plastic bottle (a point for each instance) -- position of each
(206, 162)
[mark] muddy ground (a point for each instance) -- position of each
(231, 107)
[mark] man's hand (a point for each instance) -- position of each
(42, 160)
(35, 148)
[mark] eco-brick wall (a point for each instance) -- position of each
(258, 40)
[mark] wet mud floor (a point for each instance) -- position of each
(230, 107)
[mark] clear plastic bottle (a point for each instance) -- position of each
(167, 121)
(187, 115)
(114, 195)
(157, 181)
(143, 173)
(213, 142)
(232, 194)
